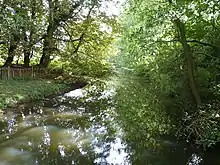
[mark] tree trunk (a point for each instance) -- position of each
(27, 54)
(26, 49)
(28, 40)
(48, 41)
(47, 47)
(188, 54)
(55, 17)
(11, 52)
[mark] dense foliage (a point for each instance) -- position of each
(70, 35)
(175, 46)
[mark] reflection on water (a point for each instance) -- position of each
(85, 127)
(149, 132)
(75, 128)
(75, 93)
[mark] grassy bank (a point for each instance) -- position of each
(14, 91)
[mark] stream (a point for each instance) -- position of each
(83, 127)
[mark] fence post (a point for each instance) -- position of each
(13, 73)
(9, 75)
(20, 72)
(1, 74)
(32, 71)
(39, 72)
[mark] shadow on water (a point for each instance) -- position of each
(104, 124)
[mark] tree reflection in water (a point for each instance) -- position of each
(109, 123)
(76, 128)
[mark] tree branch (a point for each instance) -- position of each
(82, 35)
(203, 43)
(80, 42)
(192, 41)
(68, 33)
(63, 17)
(175, 40)
(66, 40)
(207, 55)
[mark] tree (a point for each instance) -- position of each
(175, 46)
(42, 28)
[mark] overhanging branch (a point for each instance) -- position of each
(83, 34)
(208, 55)
(202, 43)
(191, 41)
(167, 41)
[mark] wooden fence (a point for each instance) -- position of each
(21, 73)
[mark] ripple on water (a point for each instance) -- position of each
(76, 129)
(81, 127)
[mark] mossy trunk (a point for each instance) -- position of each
(188, 58)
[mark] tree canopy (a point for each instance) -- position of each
(45, 31)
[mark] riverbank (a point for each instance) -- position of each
(13, 92)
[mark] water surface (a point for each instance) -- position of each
(88, 126)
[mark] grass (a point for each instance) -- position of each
(14, 91)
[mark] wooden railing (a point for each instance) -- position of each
(21, 73)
